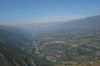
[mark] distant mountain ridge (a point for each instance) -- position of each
(89, 23)
(15, 29)
(92, 22)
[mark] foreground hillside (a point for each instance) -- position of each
(92, 63)
(12, 56)
(12, 44)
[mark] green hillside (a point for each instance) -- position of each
(12, 56)
(92, 63)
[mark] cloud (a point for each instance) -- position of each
(54, 17)
(17, 9)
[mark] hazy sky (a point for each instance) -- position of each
(15, 12)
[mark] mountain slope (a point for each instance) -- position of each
(92, 63)
(90, 22)
(12, 42)
(13, 36)
(11, 56)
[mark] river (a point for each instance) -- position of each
(41, 54)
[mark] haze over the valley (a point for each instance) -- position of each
(49, 32)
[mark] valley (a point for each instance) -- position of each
(72, 48)
(61, 46)
(49, 32)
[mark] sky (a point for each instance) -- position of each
(20, 12)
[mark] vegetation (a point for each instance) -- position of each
(60, 47)
(70, 47)
(11, 50)
(92, 63)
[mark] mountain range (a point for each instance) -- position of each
(72, 42)
(12, 44)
